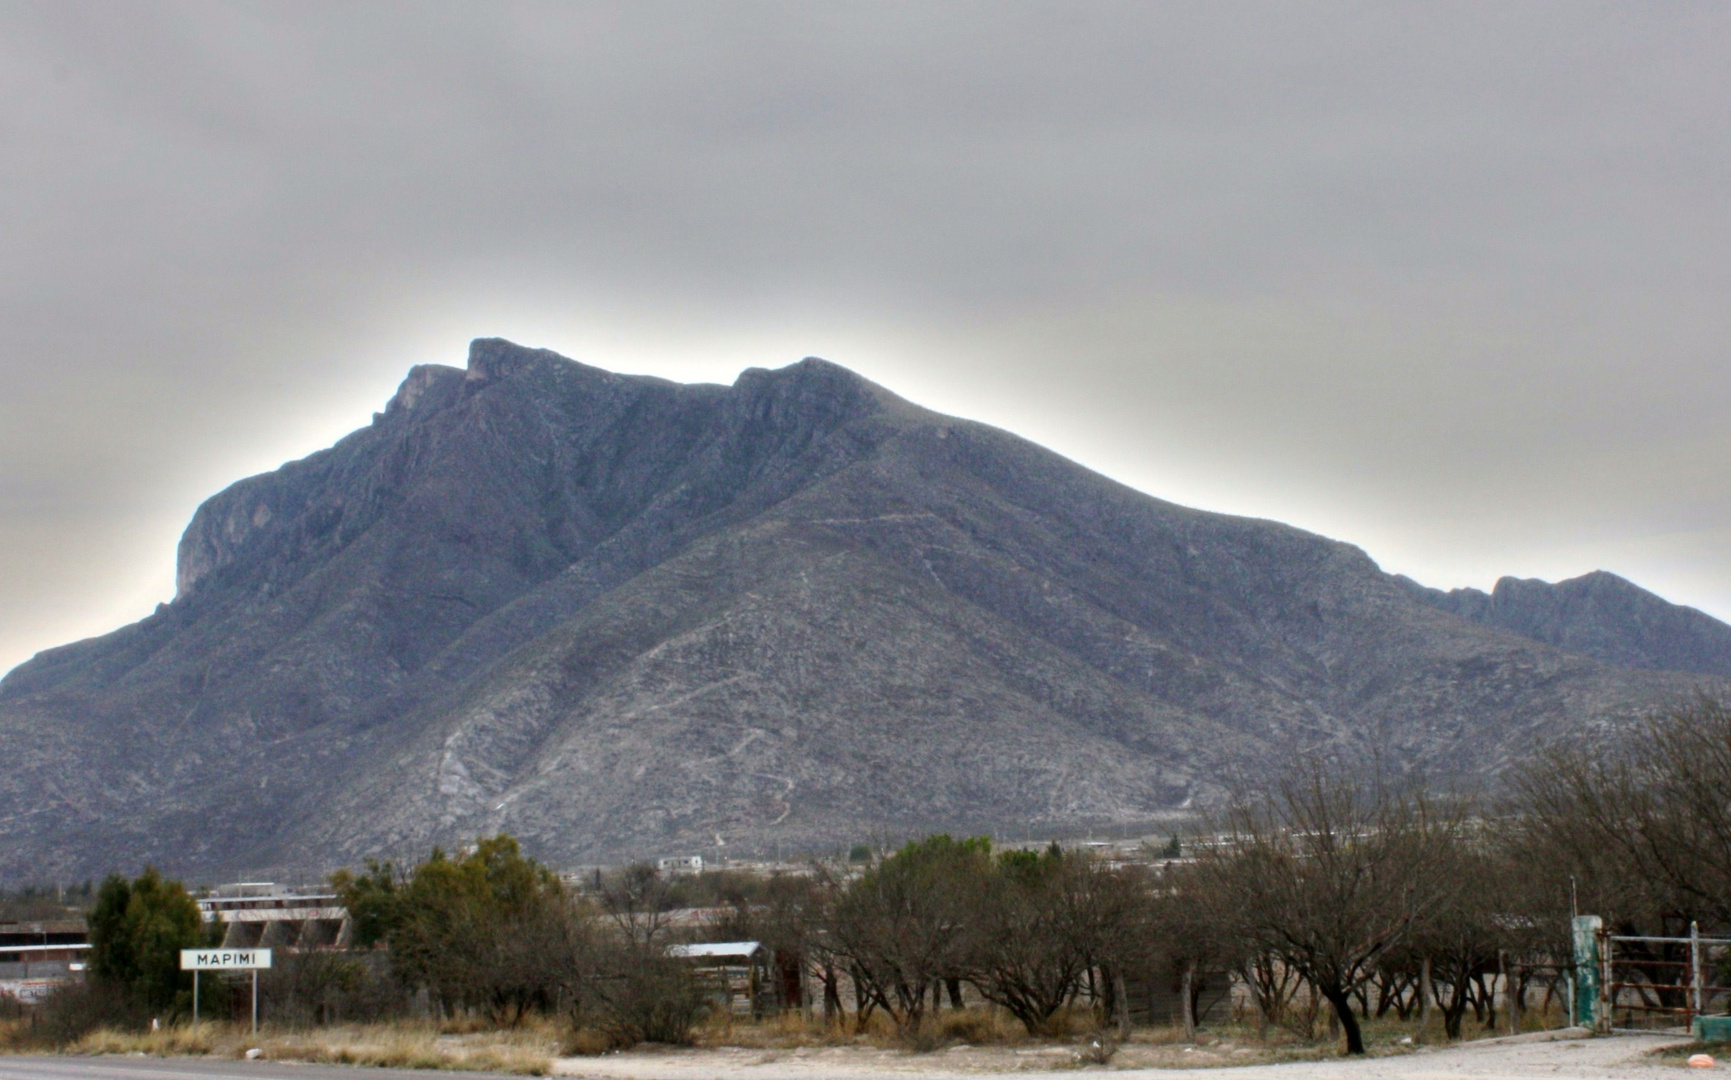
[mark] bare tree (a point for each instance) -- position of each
(637, 899)
(1044, 921)
(1328, 874)
(1639, 824)
(1466, 932)
(902, 925)
(1199, 934)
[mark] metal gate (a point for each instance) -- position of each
(1659, 982)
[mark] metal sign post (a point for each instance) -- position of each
(197, 960)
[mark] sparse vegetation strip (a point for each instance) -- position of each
(1327, 910)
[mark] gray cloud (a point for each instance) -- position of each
(1444, 280)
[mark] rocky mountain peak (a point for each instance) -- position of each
(619, 616)
(492, 359)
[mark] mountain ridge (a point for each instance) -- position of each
(1597, 614)
(617, 615)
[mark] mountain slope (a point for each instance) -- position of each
(620, 616)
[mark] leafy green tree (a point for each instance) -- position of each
(373, 900)
(137, 930)
(111, 958)
(493, 929)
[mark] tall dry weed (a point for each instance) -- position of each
(414, 1046)
(782, 1031)
(973, 1026)
(980, 1027)
(176, 1040)
(18, 1034)
(403, 1045)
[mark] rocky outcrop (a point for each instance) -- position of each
(1599, 615)
(620, 616)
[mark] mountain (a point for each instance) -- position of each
(618, 616)
(1599, 615)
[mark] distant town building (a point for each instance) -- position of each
(35, 957)
(264, 915)
(680, 864)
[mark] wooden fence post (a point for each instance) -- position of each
(1186, 1007)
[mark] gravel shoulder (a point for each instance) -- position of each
(1526, 1057)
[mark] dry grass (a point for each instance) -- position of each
(983, 1039)
(790, 1031)
(993, 1033)
(181, 1040)
(588, 1042)
(982, 1027)
(16, 1036)
(988, 1033)
(975, 1026)
(527, 1051)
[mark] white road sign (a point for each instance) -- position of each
(224, 959)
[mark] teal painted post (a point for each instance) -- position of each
(1585, 930)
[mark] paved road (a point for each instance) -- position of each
(149, 1068)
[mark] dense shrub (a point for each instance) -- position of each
(637, 994)
(493, 930)
(318, 987)
(137, 929)
(76, 1009)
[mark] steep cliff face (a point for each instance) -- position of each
(620, 616)
(1599, 615)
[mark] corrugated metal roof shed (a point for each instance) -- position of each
(744, 949)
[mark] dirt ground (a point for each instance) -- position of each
(1540, 1055)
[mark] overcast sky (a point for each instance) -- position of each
(1448, 281)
